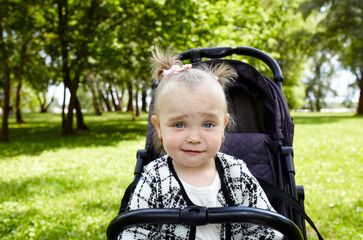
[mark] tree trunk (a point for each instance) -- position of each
(79, 62)
(318, 103)
(137, 112)
(5, 58)
(64, 106)
(62, 27)
(19, 117)
(119, 97)
(100, 96)
(94, 97)
(19, 90)
(41, 102)
(110, 92)
(74, 104)
(143, 97)
(80, 123)
(45, 105)
(105, 100)
(360, 101)
(130, 105)
(68, 124)
(311, 105)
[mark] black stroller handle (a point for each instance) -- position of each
(196, 55)
(196, 216)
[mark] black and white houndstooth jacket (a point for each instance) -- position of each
(160, 187)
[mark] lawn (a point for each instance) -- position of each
(328, 150)
(55, 187)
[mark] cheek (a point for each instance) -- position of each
(220, 136)
(215, 137)
(171, 137)
(172, 142)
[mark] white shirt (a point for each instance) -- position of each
(207, 197)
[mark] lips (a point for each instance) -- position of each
(192, 152)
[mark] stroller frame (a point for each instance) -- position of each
(293, 228)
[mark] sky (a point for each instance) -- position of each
(340, 84)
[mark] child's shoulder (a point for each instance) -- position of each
(232, 166)
(230, 161)
(159, 164)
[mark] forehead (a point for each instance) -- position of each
(200, 88)
(192, 82)
(203, 97)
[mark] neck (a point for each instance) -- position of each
(201, 176)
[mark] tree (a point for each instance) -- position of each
(77, 27)
(111, 38)
(40, 76)
(16, 29)
(319, 85)
(23, 24)
(274, 27)
(7, 80)
(93, 90)
(72, 85)
(342, 22)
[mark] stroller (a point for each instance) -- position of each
(263, 139)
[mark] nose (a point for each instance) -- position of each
(194, 137)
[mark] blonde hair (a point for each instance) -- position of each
(192, 77)
(162, 61)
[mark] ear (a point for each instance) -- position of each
(226, 118)
(156, 123)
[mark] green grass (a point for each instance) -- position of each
(55, 187)
(328, 150)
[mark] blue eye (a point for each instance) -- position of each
(208, 125)
(179, 125)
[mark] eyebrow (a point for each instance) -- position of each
(211, 114)
(176, 117)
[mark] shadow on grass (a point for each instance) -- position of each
(22, 191)
(41, 132)
(45, 186)
(321, 118)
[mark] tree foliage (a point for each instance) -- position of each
(319, 85)
(106, 44)
(17, 24)
(341, 23)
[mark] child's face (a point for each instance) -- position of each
(191, 125)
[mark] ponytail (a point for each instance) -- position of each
(162, 61)
(224, 73)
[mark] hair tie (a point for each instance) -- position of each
(176, 69)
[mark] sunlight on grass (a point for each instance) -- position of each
(67, 187)
(55, 187)
(328, 158)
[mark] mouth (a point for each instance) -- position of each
(192, 152)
